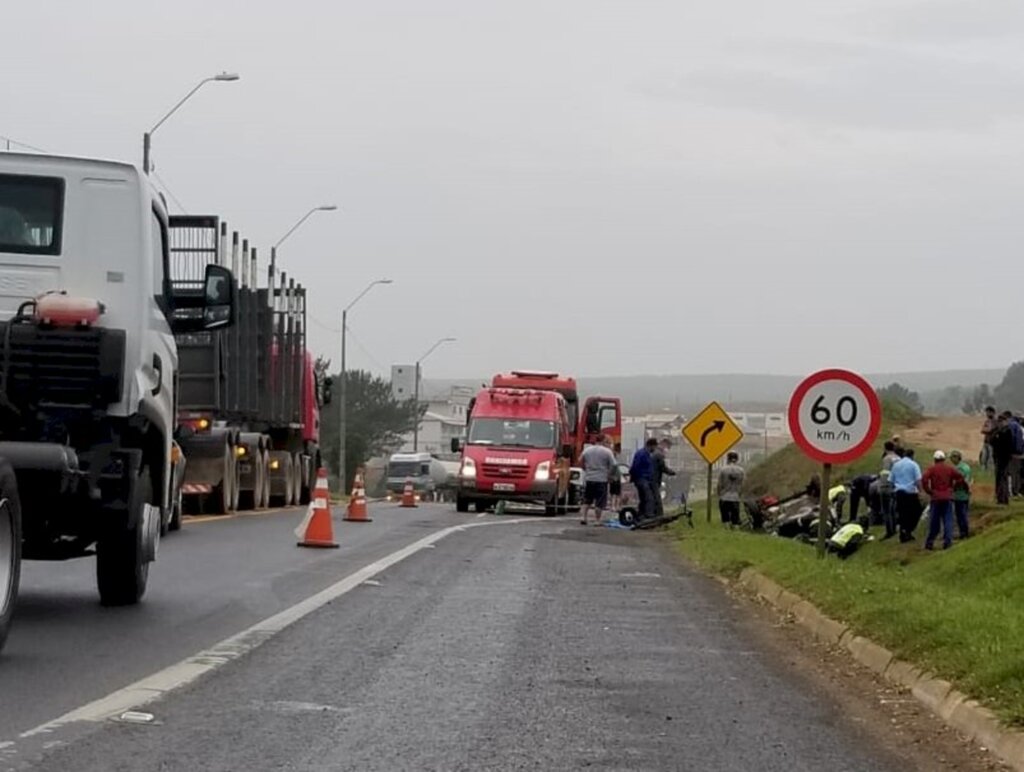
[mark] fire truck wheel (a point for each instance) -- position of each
(121, 570)
(461, 504)
(10, 547)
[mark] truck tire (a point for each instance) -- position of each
(461, 504)
(253, 499)
(174, 524)
(288, 476)
(264, 499)
(121, 570)
(10, 547)
(223, 499)
(302, 485)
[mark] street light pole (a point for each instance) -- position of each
(343, 407)
(147, 137)
(416, 393)
(306, 216)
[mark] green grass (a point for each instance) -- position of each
(959, 614)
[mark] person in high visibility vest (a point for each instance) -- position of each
(847, 539)
(837, 498)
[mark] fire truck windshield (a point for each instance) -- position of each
(511, 433)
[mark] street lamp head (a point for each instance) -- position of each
(327, 208)
(226, 76)
(384, 281)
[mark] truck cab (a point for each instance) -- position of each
(517, 440)
(88, 368)
(427, 474)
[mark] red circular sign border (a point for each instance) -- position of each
(835, 374)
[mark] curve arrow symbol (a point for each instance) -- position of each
(717, 426)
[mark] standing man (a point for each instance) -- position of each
(860, 490)
(730, 489)
(1001, 441)
(939, 482)
(987, 428)
(962, 494)
(641, 473)
(599, 465)
(887, 501)
(615, 484)
(905, 478)
(1017, 429)
(661, 469)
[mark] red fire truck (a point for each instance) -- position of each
(525, 433)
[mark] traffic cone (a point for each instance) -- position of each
(357, 503)
(316, 530)
(408, 495)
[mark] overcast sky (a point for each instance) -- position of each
(597, 186)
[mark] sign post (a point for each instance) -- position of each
(834, 417)
(712, 432)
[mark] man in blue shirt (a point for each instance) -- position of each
(905, 478)
(641, 474)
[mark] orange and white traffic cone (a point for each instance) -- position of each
(316, 529)
(357, 503)
(408, 495)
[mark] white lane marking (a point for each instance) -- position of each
(187, 671)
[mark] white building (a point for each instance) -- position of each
(444, 419)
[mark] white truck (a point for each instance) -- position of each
(428, 475)
(88, 369)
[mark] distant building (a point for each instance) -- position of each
(403, 382)
(445, 418)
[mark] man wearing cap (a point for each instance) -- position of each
(940, 481)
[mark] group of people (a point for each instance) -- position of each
(602, 479)
(894, 495)
(1004, 446)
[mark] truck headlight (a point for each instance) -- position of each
(468, 468)
(543, 471)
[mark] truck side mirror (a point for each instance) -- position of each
(456, 445)
(218, 298)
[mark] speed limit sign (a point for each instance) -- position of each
(834, 416)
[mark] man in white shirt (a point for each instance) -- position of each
(599, 465)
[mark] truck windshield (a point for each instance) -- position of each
(407, 469)
(503, 431)
(30, 214)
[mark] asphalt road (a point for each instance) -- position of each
(537, 645)
(211, 579)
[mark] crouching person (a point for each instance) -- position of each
(848, 539)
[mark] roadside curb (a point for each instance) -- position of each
(955, 708)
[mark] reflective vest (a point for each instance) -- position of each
(842, 537)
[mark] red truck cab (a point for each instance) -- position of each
(515, 441)
(600, 415)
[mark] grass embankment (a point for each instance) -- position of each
(959, 614)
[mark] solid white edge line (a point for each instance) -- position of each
(189, 670)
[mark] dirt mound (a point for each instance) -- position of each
(946, 433)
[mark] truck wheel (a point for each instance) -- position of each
(264, 499)
(220, 501)
(302, 487)
(10, 547)
(461, 504)
(252, 499)
(176, 503)
(121, 571)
